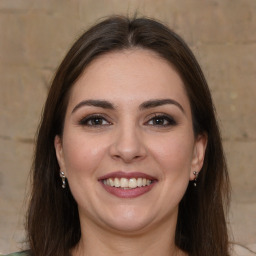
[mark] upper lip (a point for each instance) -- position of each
(127, 175)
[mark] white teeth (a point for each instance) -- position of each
(139, 182)
(127, 183)
(124, 183)
(111, 182)
(117, 183)
(132, 183)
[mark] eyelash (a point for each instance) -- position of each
(85, 121)
(165, 121)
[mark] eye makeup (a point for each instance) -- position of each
(94, 120)
(161, 120)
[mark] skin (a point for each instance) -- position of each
(129, 138)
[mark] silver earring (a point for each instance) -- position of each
(195, 180)
(63, 177)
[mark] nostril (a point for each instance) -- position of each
(128, 148)
(126, 158)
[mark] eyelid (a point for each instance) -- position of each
(87, 118)
(172, 121)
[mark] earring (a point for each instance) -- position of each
(63, 177)
(195, 180)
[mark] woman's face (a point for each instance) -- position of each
(128, 149)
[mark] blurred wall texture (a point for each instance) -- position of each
(34, 37)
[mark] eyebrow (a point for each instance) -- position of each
(145, 105)
(95, 103)
(160, 102)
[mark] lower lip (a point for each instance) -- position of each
(128, 193)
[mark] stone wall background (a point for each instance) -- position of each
(35, 35)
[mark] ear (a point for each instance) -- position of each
(59, 153)
(198, 154)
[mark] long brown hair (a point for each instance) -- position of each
(53, 222)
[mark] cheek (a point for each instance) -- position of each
(174, 154)
(82, 155)
(82, 158)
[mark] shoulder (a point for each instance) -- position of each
(24, 253)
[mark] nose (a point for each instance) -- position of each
(128, 145)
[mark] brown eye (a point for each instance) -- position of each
(161, 120)
(94, 121)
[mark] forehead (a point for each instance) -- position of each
(129, 75)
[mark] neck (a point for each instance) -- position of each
(103, 242)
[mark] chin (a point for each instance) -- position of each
(128, 221)
(129, 227)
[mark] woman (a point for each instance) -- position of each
(129, 159)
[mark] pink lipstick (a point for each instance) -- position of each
(127, 185)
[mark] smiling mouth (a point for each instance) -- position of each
(125, 183)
